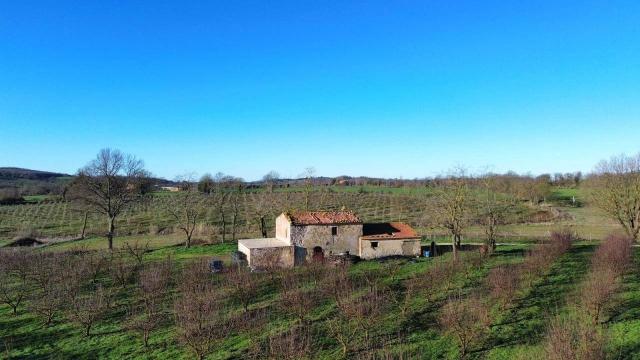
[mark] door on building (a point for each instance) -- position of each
(318, 254)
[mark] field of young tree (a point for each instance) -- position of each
(556, 277)
(58, 218)
(523, 301)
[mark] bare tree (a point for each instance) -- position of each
(149, 312)
(219, 200)
(235, 198)
(14, 272)
(452, 205)
(122, 269)
(615, 188)
(503, 282)
(492, 209)
(244, 287)
(614, 253)
(262, 206)
(308, 175)
(571, 336)
(137, 251)
(48, 296)
(292, 344)
(404, 297)
(597, 292)
(88, 308)
(199, 311)
(109, 185)
(187, 207)
(467, 320)
(270, 178)
(295, 300)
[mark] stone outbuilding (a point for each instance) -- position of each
(388, 239)
(311, 235)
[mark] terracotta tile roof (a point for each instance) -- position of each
(388, 231)
(323, 217)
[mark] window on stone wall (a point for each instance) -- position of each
(334, 230)
(374, 244)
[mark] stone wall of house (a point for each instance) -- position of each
(283, 228)
(310, 236)
(407, 247)
(269, 257)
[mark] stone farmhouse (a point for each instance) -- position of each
(311, 235)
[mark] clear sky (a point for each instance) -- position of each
(378, 88)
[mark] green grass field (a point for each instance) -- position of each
(515, 332)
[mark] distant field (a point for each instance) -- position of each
(59, 219)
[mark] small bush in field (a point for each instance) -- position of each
(466, 320)
(503, 282)
(573, 337)
(294, 300)
(244, 286)
(614, 253)
(562, 239)
(292, 344)
(597, 291)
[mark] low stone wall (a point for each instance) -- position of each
(383, 248)
(271, 257)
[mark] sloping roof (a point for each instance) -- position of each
(323, 217)
(388, 231)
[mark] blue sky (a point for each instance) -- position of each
(378, 88)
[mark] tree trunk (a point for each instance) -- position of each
(84, 225)
(233, 227)
(224, 226)
(263, 229)
(112, 227)
(187, 243)
(454, 247)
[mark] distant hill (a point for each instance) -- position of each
(32, 182)
(13, 173)
(36, 182)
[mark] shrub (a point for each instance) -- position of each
(292, 344)
(148, 313)
(244, 286)
(88, 308)
(572, 337)
(503, 282)
(14, 272)
(614, 253)
(597, 291)
(467, 320)
(199, 311)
